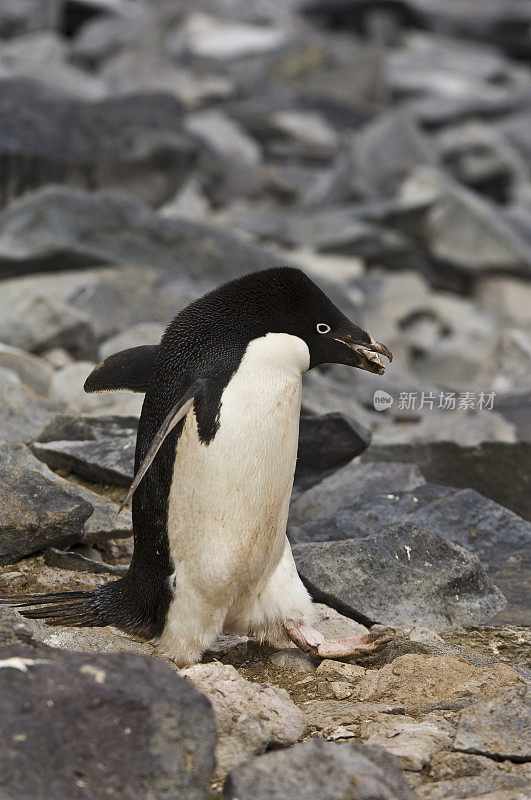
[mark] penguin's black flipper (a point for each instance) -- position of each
(129, 369)
(174, 416)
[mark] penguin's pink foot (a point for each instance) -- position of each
(314, 643)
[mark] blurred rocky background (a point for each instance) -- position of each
(151, 149)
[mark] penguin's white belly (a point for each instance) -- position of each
(229, 499)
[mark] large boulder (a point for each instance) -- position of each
(499, 537)
(77, 725)
(401, 576)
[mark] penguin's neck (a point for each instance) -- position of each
(276, 353)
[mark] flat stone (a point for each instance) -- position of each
(100, 461)
(153, 734)
(400, 576)
(91, 640)
(420, 681)
(334, 625)
(498, 727)
(413, 743)
(229, 155)
(347, 483)
(36, 513)
(250, 716)
(319, 770)
(386, 149)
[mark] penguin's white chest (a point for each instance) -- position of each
(229, 499)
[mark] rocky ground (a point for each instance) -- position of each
(151, 150)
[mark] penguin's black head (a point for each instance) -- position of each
(285, 300)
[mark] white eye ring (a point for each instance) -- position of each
(322, 327)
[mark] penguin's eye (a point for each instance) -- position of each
(322, 327)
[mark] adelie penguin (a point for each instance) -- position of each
(215, 459)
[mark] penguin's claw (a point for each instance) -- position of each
(314, 643)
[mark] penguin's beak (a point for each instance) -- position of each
(364, 352)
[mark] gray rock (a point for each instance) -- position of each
(102, 461)
(23, 414)
(498, 470)
(116, 142)
(401, 576)
(14, 629)
(513, 406)
(153, 734)
(67, 390)
(36, 513)
(43, 56)
(230, 156)
(506, 295)
(385, 151)
(77, 428)
(498, 727)
(250, 716)
(326, 443)
(463, 229)
(500, 539)
(43, 229)
(464, 428)
(340, 230)
(346, 484)
(32, 371)
(319, 770)
(413, 743)
(33, 321)
(143, 333)
(104, 523)
(99, 449)
(21, 16)
(481, 158)
(368, 513)
(218, 40)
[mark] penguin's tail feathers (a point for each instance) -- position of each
(63, 608)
